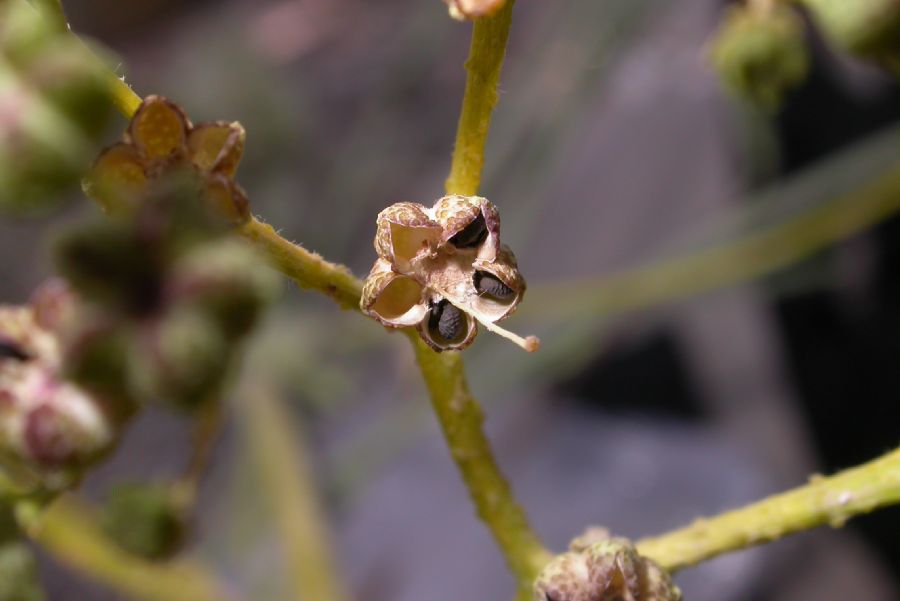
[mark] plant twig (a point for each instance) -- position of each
(306, 268)
(486, 53)
(288, 482)
(67, 530)
(461, 419)
(831, 500)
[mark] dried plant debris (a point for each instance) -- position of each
(602, 568)
(160, 141)
(472, 9)
(442, 270)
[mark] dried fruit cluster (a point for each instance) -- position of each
(440, 269)
(160, 141)
(600, 568)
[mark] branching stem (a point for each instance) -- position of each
(831, 501)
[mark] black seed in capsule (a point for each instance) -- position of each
(472, 235)
(446, 322)
(490, 286)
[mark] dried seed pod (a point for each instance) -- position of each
(617, 571)
(472, 9)
(161, 141)
(159, 129)
(564, 579)
(499, 286)
(404, 230)
(470, 224)
(600, 568)
(446, 327)
(393, 299)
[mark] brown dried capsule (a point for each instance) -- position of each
(446, 327)
(603, 569)
(393, 299)
(469, 223)
(404, 231)
(159, 139)
(445, 261)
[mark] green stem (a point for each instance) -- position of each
(831, 500)
(52, 10)
(461, 419)
(67, 530)
(486, 53)
(459, 413)
(288, 483)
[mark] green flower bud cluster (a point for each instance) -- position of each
(168, 293)
(760, 55)
(54, 105)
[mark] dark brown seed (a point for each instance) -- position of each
(446, 322)
(490, 286)
(472, 235)
(10, 350)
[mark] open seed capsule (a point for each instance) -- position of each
(446, 327)
(470, 224)
(405, 230)
(393, 299)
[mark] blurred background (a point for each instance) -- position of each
(660, 395)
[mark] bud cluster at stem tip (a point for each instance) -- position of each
(441, 270)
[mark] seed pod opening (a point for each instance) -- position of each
(393, 299)
(470, 224)
(446, 327)
(499, 286)
(405, 230)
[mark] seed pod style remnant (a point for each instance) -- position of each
(441, 270)
(608, 569)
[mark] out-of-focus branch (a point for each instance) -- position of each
(832, 500)
(289, 484)
(68, 531)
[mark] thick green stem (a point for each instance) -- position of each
(461, 420)
(486, 53)
(288, 486)
(823, 501)
(67, 530)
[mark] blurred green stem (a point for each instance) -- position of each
(68, 531)
(288, 482)
(831, 500)
(486, 54)
(52, 10)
